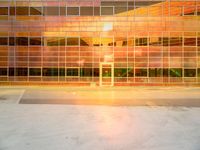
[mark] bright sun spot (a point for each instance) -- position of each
(107, 26)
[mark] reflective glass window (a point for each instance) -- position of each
(35, 41)
(52, 41)
(36, 11)
(86, 11)
(61, 71)
(189, 72)
(106, 11)
(62, 11)
(3, 71)
(72, 41)
(11, 71)
(23, 41)
(74, 11)
(72, 72)
(51, 11)
(50, 71)
(120, 72)
(12, 11)
(175, 72)
(96, 11)
(86, 72)
(141, 41)
(3, 10)
(190, 41)
(141, 72)
(155, 72)
(21, 72)
(22, 11)
(34, 71)
(11, 41)
(120, 10)
(3, 41)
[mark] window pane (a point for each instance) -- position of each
(3, 10)
(22, 11)
(176, 41)
(61, 71)
(120, 72)
(175, 72)
(21, 72)
(141, 72)
(198, 72)
(11, 71)
(86, 72)
(86, 41)
(3, 41)
(12, 11)
(120, 9)
(22, 41)
(86, 11)
(165, 72)
(36, 11)
(11, 41)
(72, 71)
(155, 72)
(130, 72)
(62, 11)
(190, 41)
(141, 41)
(72, 41)
(73, 11)
(190, 72)
(35, 71)
(106, 11)
(35, 41)
(50, 71)
(96, 11)
(51, 11)
(96, 72)
(3, 71)
(52, 41)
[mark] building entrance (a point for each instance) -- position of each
(106, 74)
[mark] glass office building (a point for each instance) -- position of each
(100, 42)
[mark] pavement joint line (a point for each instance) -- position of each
(21, 95)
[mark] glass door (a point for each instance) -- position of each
(106, 74)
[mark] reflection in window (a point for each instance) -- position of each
(175, 72)
(11, 71)
(130, 72)
(120, 72)
(198, 72)
(96, 11)
(120, 41)
(140, 72)
(23, 41)
(190, 41)
(35, 41)
(141, 41)
(73, 41)
(74, 11)
(86, 11)
(86, 41)
(96, 72)
(3, 10)
(21, 72)
(106, 41)
(51, 11)
(36, 11)
(22, 11)
(176, 41)
(120, 10)
(165, 72)
(62, 11)
(12, 11)
(86, 72)
(52, 41)
(155, 72)
(189, 72)
(155, 41)
(11, 41)
(3, 41)
(61, 71)
(3, 71)
(106, 11)
(72, 72)
(34, 71)
(50, 71)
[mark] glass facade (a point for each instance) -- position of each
(102, 42)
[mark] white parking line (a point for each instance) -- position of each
(22, 93)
